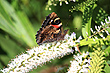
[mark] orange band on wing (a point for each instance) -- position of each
(56, 26)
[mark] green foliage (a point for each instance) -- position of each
(82, 4)
(87, 17)
(16, 32)
(54, 2)
(93, 12)
(20, 19)
(98, 57)
(107, 68)
(97, 62)
(99, 15)
(16, 24)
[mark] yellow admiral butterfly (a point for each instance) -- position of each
(51, 30)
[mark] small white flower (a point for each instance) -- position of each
(60, 3)
(66, 2)
(73, 35)
(102, 23)
(78, 40)
(66, 36)
(109, 18)
(107, 32)
(96, 37)
(55, 4)
(76, 65)
(87, 33)
(94, 32)
(74, 0)
(95, 27)
(107, 21)
(49, 8)
(91, 30)
(89, 36)
(93, 39)
(102, 31)
(101, 35)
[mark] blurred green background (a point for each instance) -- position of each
(21, 19)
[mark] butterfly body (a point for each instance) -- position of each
(51, 30)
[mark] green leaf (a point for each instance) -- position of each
(107, 68)
(97, 61)
(16, 24)
(107, 51)
(5, 59)
(91, 41)
(9, 46)
(86, 28)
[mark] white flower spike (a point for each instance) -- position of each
(40, 55)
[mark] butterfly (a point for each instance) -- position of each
(51, 30)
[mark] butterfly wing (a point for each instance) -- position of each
(51, 30)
